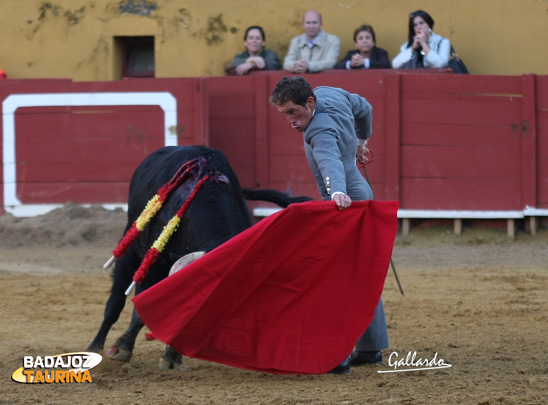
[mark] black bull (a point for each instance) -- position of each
(217, 213)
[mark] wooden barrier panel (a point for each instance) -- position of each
(232, 123)
(441, 142)
(541, 109)
(80, 142)
(69, 152)
(461, 142)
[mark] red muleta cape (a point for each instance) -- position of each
(290, 295)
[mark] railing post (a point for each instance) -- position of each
(201, 112)
(261, 131)
(529, 142)
(392, 159)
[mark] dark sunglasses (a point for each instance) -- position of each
(417, 13)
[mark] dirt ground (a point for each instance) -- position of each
(478, 300)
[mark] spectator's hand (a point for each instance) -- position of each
(357, 60)
(422, 38)
(301, 66)
(416, 43)
(244, 68)
(257, 61)
(426, 33)
(342, 201)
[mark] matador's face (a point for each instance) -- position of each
(298, 116)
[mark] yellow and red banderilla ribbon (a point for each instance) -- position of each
(150, 210)
(152, 207)
(160, 243)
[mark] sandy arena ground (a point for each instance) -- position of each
(478, 300)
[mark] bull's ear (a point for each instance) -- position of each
(185, 261)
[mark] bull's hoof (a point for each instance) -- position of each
(115, 353)
(168, 365)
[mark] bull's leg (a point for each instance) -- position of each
(123, 348)
(117, 300)
(171, 359)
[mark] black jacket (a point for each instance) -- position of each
(379, 59)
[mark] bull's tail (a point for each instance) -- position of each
(273, 196)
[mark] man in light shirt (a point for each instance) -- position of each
(313, 51)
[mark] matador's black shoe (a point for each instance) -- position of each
(342, 368)
(365, 358)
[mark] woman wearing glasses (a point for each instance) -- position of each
(424, 49)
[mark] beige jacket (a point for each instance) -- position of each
(323, 55)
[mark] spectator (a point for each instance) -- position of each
(367, 56)
(256, 56)
(424, 48)
(313, 51)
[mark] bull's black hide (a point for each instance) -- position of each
(217, 213)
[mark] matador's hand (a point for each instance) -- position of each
(342, 200)
(361, 153)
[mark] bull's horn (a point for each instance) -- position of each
(185, 261)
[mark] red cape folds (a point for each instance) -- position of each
(290, 295)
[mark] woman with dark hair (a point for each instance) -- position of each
(256, 56)
(367, 56)
(424, 48)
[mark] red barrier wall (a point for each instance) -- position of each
(266, 152)
(66, 144)
(440, 141)
(541, 114)
(461, 143)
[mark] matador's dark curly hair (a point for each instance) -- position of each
(295, 89)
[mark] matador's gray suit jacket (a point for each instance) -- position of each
(330, 142)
